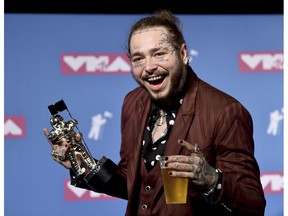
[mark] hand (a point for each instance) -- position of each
(59, 151)
(194, 167)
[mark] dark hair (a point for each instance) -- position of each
(163, 18)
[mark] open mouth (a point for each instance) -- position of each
(156, 82)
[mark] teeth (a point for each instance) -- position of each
(154, 78)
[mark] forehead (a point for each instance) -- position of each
(148, 35)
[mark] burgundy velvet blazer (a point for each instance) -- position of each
(221, 126)
(223, 129)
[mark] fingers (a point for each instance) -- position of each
(179, 169)
(58, 149)
(186, 165)
(58, 153)
(60, 141)
(60, 159)
(194, 157)
(190, 147)
(190, 159)
(193, 166)
(57, 156)
(46, 133)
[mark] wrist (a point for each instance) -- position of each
(212, 182)
(215, 189)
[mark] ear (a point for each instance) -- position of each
(184, 54)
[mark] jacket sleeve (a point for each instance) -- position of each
(110, 179)
(241, 192)
(104, 179)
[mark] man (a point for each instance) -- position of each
(204, 134)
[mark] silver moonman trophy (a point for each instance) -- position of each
(78, 153)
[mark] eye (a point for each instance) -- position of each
(159, 54)
(136, 59)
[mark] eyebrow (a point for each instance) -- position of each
(153, 50)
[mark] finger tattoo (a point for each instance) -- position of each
(177, 165)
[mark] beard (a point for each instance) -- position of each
(173, 95)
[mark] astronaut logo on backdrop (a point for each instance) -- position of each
(97, 125)
(276, 117)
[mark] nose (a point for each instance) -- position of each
(150, 66)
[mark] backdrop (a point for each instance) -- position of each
(81, 59)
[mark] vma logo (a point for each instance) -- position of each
(261, 61)
(72, 193)
(272, 182)
(95, 64)
(14, 126)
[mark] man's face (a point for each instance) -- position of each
(156, 64)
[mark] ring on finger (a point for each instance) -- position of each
(54, 154)
(62, 157)
(196, 148)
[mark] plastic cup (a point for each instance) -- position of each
(175, 188)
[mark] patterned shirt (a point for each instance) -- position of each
(151, 152)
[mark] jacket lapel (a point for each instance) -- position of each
(142, 109)
(184, 117)
(139, 124)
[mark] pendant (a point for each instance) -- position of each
(160, 121)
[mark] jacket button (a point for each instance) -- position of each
(147, 188)
(144, 207)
